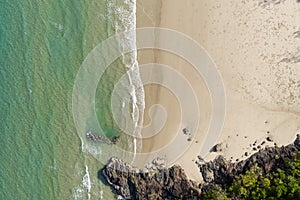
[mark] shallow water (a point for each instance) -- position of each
(42, 45)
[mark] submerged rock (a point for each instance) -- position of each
(101, 138)
(115, 139)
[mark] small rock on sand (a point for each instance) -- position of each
(186, 131)
(216, 148)
(269, 139)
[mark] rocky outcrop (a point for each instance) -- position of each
(172, 183)
(131, 183)
(221, 171)
(101, 138)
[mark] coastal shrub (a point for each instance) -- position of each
(216, 193)
(283, 183)
(251, 184)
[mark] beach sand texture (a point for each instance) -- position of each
(256, 48)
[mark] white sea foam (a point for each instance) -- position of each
(53, 167)
(101, 194)
(123, 17)
(83, 190)
(86, 181)
(122, 14)
(120, 198)
(134, 148)
(58, 26)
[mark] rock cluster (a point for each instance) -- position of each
(131, 183)
(156, 164)
(172, 183)
(101, 138)
(221, 171)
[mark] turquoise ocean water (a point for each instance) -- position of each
(42, 45)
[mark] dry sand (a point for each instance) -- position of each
(256, 49)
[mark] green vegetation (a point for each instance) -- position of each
(283, 183)
(216, 193)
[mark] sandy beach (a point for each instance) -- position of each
(256, 50)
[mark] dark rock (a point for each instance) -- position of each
(158, 163)
(162, 184)
(297, 142)
(293, 59)
(255, 143)
(186, 131)
(115, 139)
(269, 139)
(216, 148)
(267, 3)
(208, 170)
(224, 172)
(297, 33)
(200, 158)
(173, 184)
(97, 138)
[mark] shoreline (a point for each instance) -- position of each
(254, 80)
(219, 176)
